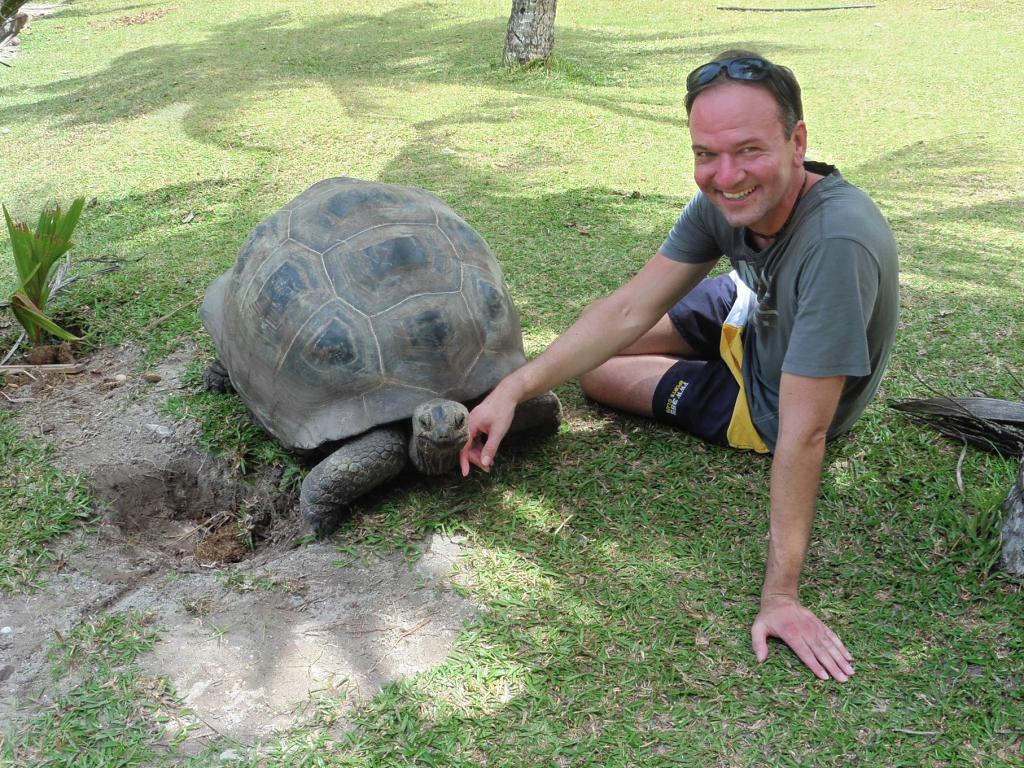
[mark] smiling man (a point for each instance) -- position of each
(779, 355)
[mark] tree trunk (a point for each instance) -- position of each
(531, 32)
(11, 26)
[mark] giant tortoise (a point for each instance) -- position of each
(356, 321)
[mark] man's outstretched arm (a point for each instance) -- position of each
(605, 327)
(806, 409)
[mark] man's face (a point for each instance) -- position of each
(743, 161)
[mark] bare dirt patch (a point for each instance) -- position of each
(247, 636)
(130, 21)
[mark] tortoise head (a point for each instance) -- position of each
(439, 430)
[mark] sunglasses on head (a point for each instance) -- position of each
(745, 68)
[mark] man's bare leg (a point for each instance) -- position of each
(628, 380)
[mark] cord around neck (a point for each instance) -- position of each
(789, 218)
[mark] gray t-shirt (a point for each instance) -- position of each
(828, 291)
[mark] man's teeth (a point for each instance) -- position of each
(737, 195)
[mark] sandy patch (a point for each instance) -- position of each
(246, 644)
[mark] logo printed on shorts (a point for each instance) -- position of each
(674, 396)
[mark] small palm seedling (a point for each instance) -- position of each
(35, 254)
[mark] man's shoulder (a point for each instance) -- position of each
(834, 188)
(700, 233)
(842, 210)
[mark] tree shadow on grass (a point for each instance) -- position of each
(168, 260)
(626, 561)
(76, 9)
(400, 49)
(973, 245)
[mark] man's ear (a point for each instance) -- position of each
(799, 139)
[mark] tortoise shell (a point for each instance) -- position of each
(353, 304)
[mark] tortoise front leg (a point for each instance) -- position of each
(358, 466)
(537, 417)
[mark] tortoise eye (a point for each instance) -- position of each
(460, 419)
(425, 421)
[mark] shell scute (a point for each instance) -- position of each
(336, 343)
(381, 266)
(265, 238)
(275, 300)
(427, 344)
(496, 318)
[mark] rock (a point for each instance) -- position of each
(150, 377)
(1012, 534)
(160, 430)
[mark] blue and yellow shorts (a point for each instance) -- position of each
(705, 395)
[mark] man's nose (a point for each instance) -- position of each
(728, 173)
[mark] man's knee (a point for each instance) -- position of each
(607, 384)
(593, 383)
(627, 383)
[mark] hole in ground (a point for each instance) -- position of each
(196, 508)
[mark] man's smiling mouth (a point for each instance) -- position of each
(738, 195)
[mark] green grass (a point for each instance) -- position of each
(620, 562)
(115, 714)
(38, 503)
(110, 640)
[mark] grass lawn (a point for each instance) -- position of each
(621, 562)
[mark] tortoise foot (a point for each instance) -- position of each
(538, 417)
(356, 467)
(216, 378)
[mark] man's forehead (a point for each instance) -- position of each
(734, 106)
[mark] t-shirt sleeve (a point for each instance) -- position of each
(692, 238)
(836, 293)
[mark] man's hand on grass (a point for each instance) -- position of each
(811, 640)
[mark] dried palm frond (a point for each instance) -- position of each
(984, 422)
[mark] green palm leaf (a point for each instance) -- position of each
(34, 321)
(35, 253)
